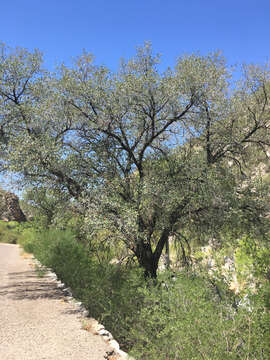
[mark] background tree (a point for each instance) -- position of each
(45, 205)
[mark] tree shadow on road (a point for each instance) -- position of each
(28, 286)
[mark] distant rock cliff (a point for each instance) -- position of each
(9, 207)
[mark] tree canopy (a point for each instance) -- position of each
(148, 154)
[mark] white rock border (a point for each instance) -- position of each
(96, 327)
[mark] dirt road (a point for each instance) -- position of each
(35, 321)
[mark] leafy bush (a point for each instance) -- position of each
(28, 239)
(58, 249)
(9, 232)
(179, 317)
(254, 257)
(184, 319)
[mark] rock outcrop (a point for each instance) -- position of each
(9, 207)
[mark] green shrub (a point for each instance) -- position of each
(115, 299)
(184, 319)
(175, 318)
(28, 239)
(58, 249)
(9, 232)
(253, 256)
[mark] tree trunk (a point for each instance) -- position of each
(147, 260)
(167, 255)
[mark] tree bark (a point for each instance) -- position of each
(167, 255)
(146, 259)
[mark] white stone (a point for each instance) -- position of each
(106, 334)
(114, 344)
(52, 275)
(85, 313)
(124, 355)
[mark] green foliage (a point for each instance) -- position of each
(143, 153)
(254, 256)
(184, 319)
(28, 239)
(136, 157)
(45, 206)
(10, 232)
(177, 316)
(58, 250)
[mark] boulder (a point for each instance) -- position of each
(10, 208)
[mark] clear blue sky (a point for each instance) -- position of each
(112, 29)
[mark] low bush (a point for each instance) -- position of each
(185, 319)
(28, 239)
(177, 317)
(9, 232)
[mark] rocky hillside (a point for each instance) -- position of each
(9, 207)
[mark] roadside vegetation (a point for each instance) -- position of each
(9, 232)
(148, 195)
(183, 314)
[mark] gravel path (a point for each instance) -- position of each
(35, 321)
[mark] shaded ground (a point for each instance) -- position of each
(35, 321)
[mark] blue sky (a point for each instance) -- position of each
(112, 29)
(61, 29)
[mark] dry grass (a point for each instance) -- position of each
(91, 325)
